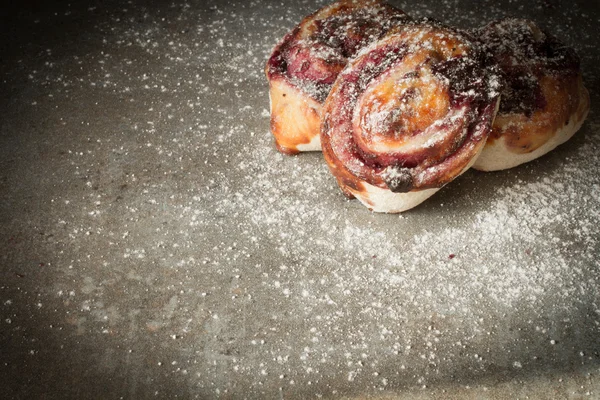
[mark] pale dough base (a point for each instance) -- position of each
(386, 201)
(314, 145)
(497, 156)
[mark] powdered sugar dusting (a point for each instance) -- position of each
(156, 244)
(521, 249)
(313, 53)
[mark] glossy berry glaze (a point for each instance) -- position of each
(410, 112)
(304, 65)
(542, 86)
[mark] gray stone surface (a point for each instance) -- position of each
(154, 244)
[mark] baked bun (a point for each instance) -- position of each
(304, 65)
(408, 114)
(543, 101)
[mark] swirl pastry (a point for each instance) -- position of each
(543, 101)
(304, 65)
(408, 114)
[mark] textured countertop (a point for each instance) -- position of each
(154, 244)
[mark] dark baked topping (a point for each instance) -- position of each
(314, 53)
(525, 53)
(410, 112)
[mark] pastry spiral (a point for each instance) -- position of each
(304, 65)
(543, 100)
(407, 115)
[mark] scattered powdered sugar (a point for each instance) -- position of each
(523, 223)
(363, 282)
(169, 249)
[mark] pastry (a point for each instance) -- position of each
(543, 100)
(407, 115)
(304, 65)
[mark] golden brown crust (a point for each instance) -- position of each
(294, 117)
(543, 101)
(501, 153)
(523, 134)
